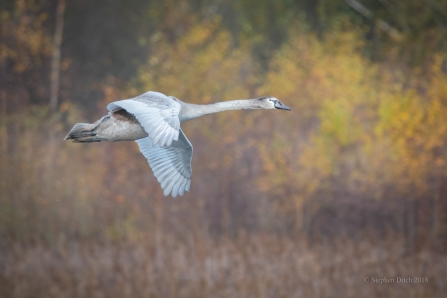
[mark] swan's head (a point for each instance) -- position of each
(271, 103)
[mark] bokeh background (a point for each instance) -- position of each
(349, 186)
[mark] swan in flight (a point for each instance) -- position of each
(153, 120)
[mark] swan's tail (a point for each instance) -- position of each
(83, 133)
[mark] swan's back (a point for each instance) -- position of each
(157, 114)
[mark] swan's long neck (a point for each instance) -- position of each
(192, 111)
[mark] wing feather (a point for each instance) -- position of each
(170, 185)
(176, 188)
(171, 165)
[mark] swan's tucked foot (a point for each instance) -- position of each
(83, 133)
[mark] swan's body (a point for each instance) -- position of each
(153, 121)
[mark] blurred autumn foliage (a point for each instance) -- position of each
(354, 176)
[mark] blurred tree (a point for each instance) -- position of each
(24, 46)
(56, 57)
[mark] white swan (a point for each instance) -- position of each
(153, 120)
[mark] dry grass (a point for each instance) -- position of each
(249, 266)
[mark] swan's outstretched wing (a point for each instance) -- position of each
(156, 112)
(171, 165)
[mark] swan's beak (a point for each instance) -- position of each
(280, 106)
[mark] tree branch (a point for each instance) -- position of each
(391, 31)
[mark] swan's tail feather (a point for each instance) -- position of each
(83, 133)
